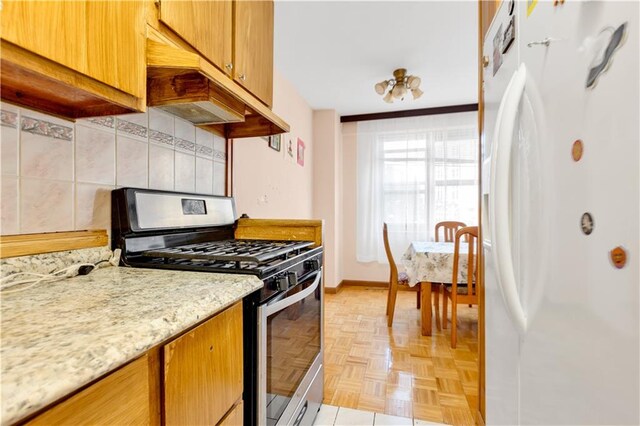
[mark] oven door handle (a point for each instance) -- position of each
(288, 301)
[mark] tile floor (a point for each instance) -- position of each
(397, 371)
(330, 415)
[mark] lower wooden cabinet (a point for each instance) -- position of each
(234, 417)
(122, 398)
(203, 371)
(199, 373)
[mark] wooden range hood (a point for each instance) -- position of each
(187, 85)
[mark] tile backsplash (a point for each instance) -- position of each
(57, 175)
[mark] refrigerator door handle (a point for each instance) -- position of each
(499, 200)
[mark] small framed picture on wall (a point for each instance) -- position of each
(275, 142)
(300, 152)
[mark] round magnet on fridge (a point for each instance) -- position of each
(618, 257)
(577, 149)
(586, 223)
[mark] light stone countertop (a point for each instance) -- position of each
(56, 337)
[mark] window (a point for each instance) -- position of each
(412, 174)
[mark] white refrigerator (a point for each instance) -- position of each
(561, 213)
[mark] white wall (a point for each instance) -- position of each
(268, 183)
(57, 175)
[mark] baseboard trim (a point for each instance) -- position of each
(362, 283)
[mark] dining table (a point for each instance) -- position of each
(429, 262)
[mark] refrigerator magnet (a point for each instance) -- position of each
(497, 50)
(576, 150)
(603, 59)
(618, 257)
(586, 224)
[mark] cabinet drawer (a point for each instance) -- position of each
(122, 398)
(203, 370)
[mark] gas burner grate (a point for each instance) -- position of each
(241, 254)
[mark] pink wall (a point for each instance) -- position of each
(327, 200)
(268, 183)
(351, 268)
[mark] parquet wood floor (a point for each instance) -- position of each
(397, 371)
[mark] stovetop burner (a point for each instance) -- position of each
(246, 253)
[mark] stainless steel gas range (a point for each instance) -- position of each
(283, 322)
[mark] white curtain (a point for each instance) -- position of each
(413, 173)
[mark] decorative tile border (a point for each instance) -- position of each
(219, 155)
(44, 128)
(8, 119)
(204, 151)
(132, 128)
(163, 138)
(109, 122)
(185, 144)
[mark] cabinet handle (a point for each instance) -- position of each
(229, 66)
(242, 77)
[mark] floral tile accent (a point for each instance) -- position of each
(132, 128)
(185, 144)
(204, 150)
(9, 119)
(163, 138)
(219, 155)
(44, 128)
(104, 121)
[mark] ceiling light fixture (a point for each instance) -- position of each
(399, 86)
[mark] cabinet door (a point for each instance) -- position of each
(235, 416)
(101, 39)
(122, 398)
(254, 48)
(205, 25)
(203, 371)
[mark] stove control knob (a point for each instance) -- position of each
(293, 279)
(282, 283)
(313, 264)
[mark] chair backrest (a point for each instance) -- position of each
(387, 249)
(470, 233)
(450, 229)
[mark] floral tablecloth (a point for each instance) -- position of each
(433, 262)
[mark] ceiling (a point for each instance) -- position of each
(334, 52)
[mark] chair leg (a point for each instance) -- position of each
(454, 323)
(445, 308)
(389, 295)
(393, 292)
(418, 297)
(436, 304)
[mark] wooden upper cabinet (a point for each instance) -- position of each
(253, 40)
(121, 398)
(203, 371)
(103, 40)
(206, 25)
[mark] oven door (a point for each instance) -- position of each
(290, 354)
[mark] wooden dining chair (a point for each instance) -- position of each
(450, 229)
(395, 279)
(461, 293)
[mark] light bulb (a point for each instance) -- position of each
(413, 82)
(388, 98)
(381, 87)
(416, 93)
(399, 90)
